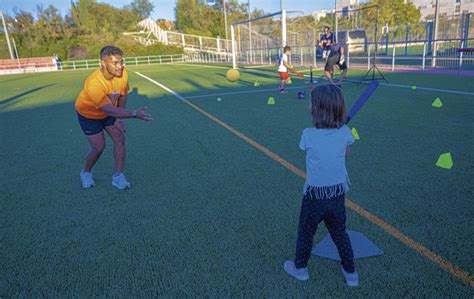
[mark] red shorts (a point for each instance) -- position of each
(284, 75)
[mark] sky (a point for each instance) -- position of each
(164, 9)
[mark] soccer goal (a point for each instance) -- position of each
(258, 40)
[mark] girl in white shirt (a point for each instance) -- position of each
(326, 145)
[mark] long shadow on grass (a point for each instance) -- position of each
(17, 77)
(243, 82)
(14, 98)
(200, 87)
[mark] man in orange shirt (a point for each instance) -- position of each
(100, 106)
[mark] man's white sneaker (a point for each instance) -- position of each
(341, 60)
(120, 181)
(290, 268)
(86, 179)
(352, 279)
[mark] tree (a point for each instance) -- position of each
(142, 8)
(193, 17)
(100, 17)
(391, 12)
(82, 33)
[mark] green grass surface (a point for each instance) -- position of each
(209, 215)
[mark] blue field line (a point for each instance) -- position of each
(242, 92)
(466, 93)
(429, 89)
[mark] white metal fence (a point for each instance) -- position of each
(198, 57)
(393, 56)
(187, 41)
(137, 60)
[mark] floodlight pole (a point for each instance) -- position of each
(376, 32)
(14, 47)
(283, 28)
(225, 28)
(335, 20)
(234, 54)
(6, 35)
(250, 33)
(435, 38)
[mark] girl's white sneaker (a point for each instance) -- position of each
(290, 268)
(352, 279)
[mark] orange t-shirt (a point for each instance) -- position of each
(99, 92)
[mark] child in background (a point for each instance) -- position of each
(283, 69)
(326, 145)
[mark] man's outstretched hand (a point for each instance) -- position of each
(142, 115)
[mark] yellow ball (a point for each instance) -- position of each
(233, 75)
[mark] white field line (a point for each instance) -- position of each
(162, 86)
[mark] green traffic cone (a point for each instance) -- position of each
(445, 161)
(271, 101)
(256, 84)
(437, 103)
(355, 133)
(289, 81)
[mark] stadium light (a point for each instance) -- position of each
(6, 35)
(435, 37)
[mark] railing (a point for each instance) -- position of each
(187, 41)
(394, 56)
(138, 60)
(199, 57)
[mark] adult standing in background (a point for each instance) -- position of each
(326, 41)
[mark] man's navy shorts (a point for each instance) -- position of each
(94, 126)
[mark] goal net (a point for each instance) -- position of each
(258, 40)
(357, 29)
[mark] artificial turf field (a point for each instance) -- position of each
(209, 214)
